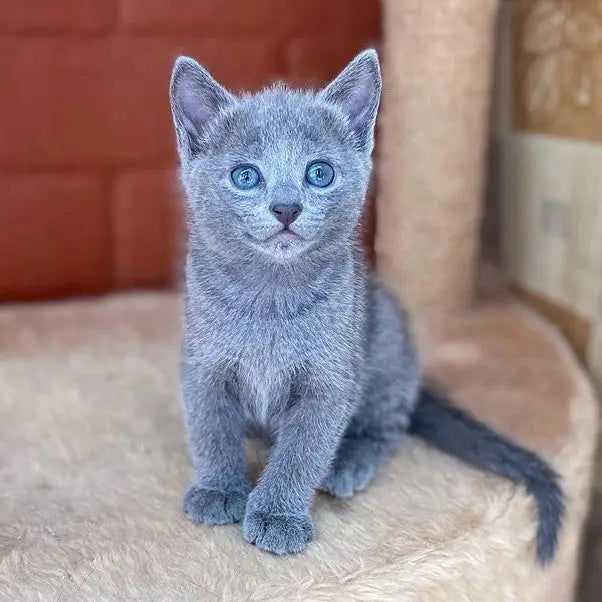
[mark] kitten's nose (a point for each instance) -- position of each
(286, 213)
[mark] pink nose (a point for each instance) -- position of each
(286, 213)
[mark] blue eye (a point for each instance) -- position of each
(245, 177)
(320, 174)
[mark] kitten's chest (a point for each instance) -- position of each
(263, 353)
(264, 359)
(259, 342)
(262, 389)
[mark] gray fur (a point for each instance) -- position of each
(291, 339)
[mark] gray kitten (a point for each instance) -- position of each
(287, 333)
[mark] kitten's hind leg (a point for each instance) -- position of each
(375, 432)
(389, 396)
(356, 462)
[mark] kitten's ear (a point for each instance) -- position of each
(356, 91)
(196, 99)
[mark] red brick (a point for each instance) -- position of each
(57, 15)
(221, 17)
(231, 17)
(147, 229)
(314, 61)
(335, 17)
(88, 102)
(54, 235)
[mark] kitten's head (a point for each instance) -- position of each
(281, 171)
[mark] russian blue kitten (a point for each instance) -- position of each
(287, 333)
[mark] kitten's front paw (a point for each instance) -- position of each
(213, 507)
(278, 533)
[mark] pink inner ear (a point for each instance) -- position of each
(358, 101)
(196, 111)
(197, 97)
(356, 90)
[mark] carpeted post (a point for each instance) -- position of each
(437, 73)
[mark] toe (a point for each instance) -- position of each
(278, 533)
(213, 507)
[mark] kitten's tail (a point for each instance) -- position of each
(455, 432)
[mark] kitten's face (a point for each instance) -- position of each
(279, 172)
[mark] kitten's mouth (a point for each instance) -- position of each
(285, 234)
(284, 243)
(284, 237)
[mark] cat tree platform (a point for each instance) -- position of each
(94, 464)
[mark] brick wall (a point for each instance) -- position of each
(87, 195)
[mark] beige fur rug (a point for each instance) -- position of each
(93, 463)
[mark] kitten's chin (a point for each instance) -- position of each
(282, 246)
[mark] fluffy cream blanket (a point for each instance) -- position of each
(93, 463)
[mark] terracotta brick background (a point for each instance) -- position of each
(87, 196)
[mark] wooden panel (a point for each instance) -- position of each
(559, 68)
